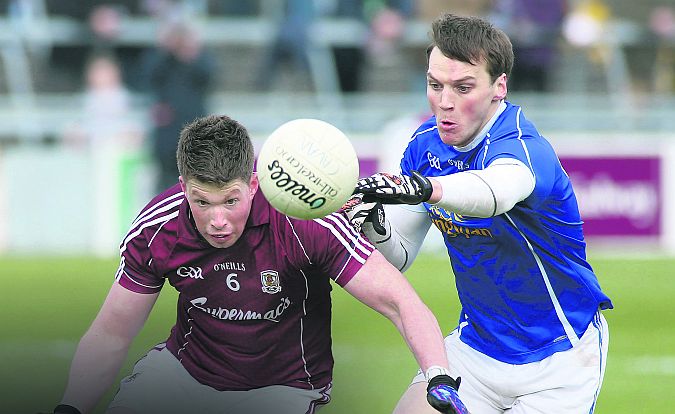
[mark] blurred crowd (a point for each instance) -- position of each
(560, 46)
(542, 32)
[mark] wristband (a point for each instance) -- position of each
(66, 409)
(435, 370)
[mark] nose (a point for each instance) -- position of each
(219, 218)
(446, 101)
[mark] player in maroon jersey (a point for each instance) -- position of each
(252, 333)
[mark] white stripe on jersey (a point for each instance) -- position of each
(156, 233)
(342, 240)
(150, 213)
(145, 213)
(344, 266)
(358, 241)
(485, 150)
(290, 223)
(423, 132)
(120, 269)
(120, 272)
(147, 224)
(185, 344)
(597, 322)
(569, 331)
(520, 138)
(302, 332)
(146, 217)
(139, 283)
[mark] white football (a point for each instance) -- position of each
(307, 168)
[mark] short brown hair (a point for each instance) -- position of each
(215, 149)
(470, 40)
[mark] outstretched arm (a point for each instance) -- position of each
(477, 193)
(484, 193)
(379, 285)
(103, 348)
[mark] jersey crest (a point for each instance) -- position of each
(270, 281)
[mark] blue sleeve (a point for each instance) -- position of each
(537, 154)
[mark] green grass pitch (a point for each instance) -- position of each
(47, 303)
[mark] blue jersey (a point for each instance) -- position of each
(522, 277)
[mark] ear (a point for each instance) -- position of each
(183, 185)
(500, 88)
(253, 184)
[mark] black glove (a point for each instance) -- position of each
(358, 212)
(395, 189)
(442, 395)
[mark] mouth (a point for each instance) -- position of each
(220, 237)
(447, 126)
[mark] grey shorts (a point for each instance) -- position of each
(160, 384)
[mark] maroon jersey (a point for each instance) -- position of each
(257, 313)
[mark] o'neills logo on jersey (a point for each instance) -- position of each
(191, 272)
(229, 266)
(270, 281)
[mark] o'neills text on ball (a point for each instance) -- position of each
(284, 181)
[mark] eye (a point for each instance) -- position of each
(463, 89)
(231, 201)
(201, 203)
(434, 85)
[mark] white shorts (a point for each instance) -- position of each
(160, 384)
(565, 382)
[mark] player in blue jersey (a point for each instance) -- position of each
(531, 337)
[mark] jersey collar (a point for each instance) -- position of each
(483, 132)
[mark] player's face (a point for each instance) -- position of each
(220, 213)
(462, 97)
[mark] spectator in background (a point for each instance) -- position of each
(102, 23)
(385, 20)
(290, 45)
(585, 29)
(178, 73)
(105, 26)
(534, 27)
(662, 25)
(110, 135)
(107, 113)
